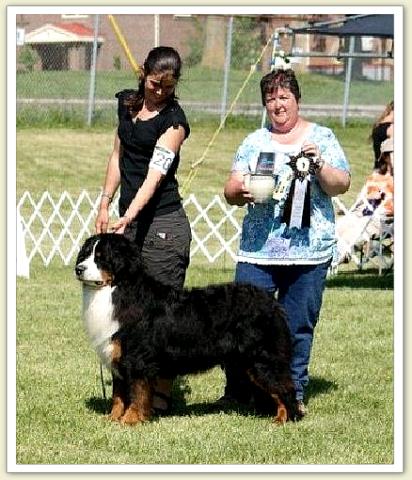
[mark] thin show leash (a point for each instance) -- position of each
(102, 380)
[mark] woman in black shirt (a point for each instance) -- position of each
(145, 157)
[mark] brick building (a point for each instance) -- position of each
(65, 42)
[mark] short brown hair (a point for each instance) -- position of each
(279, 78)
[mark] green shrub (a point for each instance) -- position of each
(246, 42)
(28, 57)
(196, 43)
(117, 63)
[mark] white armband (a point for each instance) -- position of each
(162, 159)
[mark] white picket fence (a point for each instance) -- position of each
(56, 227)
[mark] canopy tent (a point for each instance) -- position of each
(354, 25)
(351, 26)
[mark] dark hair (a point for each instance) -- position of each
(388, 109)
(279, 79)
(162, 59)
(159, 60)
(379, 129)
(382, 164)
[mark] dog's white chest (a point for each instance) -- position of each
(98, 320)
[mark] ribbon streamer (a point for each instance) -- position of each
(296, 212)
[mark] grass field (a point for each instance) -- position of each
(199, 84)
(60, 408)
(59, 160)
(75, 159)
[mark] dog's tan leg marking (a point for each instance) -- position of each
(117, 408)
(281, 413)
(140, 407)
(118, 397)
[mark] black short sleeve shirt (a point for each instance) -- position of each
(138, 139)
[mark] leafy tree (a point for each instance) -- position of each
(28, 57)
(246, 42)
(196, 43)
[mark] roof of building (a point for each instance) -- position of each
(62, 32)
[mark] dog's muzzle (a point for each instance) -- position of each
(80, 270)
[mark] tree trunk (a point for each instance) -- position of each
(215, 38)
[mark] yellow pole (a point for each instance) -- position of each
(136, 68)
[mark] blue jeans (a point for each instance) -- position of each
(299, 289)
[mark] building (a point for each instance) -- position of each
(65, 42)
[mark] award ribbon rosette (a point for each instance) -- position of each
(297, 205)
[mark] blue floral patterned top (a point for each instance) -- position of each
(265, 239)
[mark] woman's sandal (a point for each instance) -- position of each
(163, 404)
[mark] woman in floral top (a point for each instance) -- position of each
(286, 253)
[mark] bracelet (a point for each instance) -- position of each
(318, 164)
(107, 195)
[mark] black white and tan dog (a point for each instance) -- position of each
(143, 330)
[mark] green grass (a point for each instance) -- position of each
(61, 411)
(75, 159)
(197, 83)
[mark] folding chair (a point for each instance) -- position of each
(361, 238)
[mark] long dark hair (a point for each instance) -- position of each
(388, 109)
(382, 165)
(159, 60)
(279, 78)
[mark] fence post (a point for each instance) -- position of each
(92, 87)
(348, 80)
(156, 30)
(227, 67)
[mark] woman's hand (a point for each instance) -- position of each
(121, 224)
(235, 191)
(311, 149)
(102, 220)
(111, 183)
(333, 181)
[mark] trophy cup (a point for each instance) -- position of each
(261, 184)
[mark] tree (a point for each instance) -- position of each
(215, 40)
(28, 57)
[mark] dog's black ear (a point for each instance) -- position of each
(86, 249)
(136, 262)
(134, 259)
(125, 257)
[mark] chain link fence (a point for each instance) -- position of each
(70, 66)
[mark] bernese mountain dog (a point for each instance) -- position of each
(143, 330)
